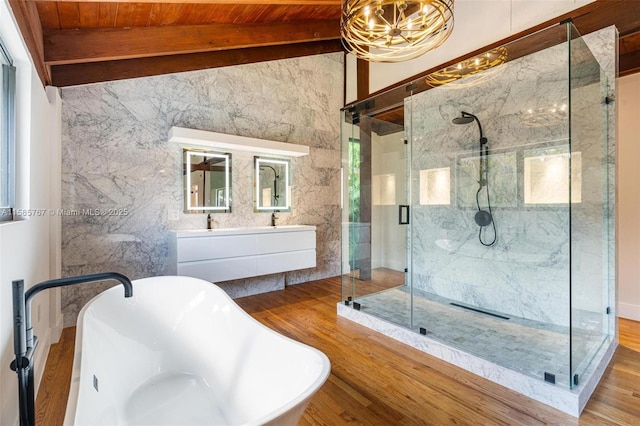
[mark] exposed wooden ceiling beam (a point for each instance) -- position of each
(26, 15)
(362, 73)
(630, 43)
(93, 45)
(629, 63)
(625, 14)
(237, 2)
(95, 72)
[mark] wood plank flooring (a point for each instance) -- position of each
(51, 402)
(381, 279)
(378, 381)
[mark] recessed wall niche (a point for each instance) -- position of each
(546, 177)
(435, 186)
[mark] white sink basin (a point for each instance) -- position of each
(243, 230)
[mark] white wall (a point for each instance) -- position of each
(352, 79)
(628, 197)
(477, 24)
(25, 251)
(388, 238)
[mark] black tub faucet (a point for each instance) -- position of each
(25, 343)
(274, 218)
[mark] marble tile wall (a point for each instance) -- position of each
(116, 158)
(523, 106)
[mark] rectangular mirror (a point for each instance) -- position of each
(207, 181)
(272, 184)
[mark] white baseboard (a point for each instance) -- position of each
(56, 329)
(388, 264)
(629, 311)
(51, 336)
(41, 355)
(396, 265)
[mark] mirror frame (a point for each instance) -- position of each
(188, 208)
(287, 184)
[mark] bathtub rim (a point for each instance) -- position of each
(302, 398)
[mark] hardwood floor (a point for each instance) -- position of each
(381, 279)
(378, 381)
(51, 402)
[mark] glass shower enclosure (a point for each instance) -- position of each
(477, 206)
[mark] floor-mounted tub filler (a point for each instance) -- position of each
(181, 352)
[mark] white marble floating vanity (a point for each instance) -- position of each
(232, 253)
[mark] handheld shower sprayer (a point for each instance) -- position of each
(482, 217)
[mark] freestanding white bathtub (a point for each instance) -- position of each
(181, 352)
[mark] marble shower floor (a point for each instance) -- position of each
(529, 347)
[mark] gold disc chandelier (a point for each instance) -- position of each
(394, 30)
(469, 67)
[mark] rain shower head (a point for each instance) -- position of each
(466, 118)
(462, 120)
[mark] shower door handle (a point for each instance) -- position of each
(403, 215)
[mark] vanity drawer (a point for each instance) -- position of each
(229, 254)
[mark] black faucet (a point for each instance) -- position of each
(274, 218)
(25, 343)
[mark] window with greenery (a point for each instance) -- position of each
(354, 202)
(354, 180)
(7, 134)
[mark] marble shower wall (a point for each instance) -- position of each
(116, 156)
(524, 110)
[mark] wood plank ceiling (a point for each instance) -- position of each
(76, 42)
(90, 41)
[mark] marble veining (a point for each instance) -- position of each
(552, 270)
(523, 109)
(116, 158)
(570, 401)
(529, 347)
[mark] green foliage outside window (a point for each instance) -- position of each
(354, 201)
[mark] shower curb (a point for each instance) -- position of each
(570, 401)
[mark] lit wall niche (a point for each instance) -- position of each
(383, 189)
(435, 186)
(546, 177)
